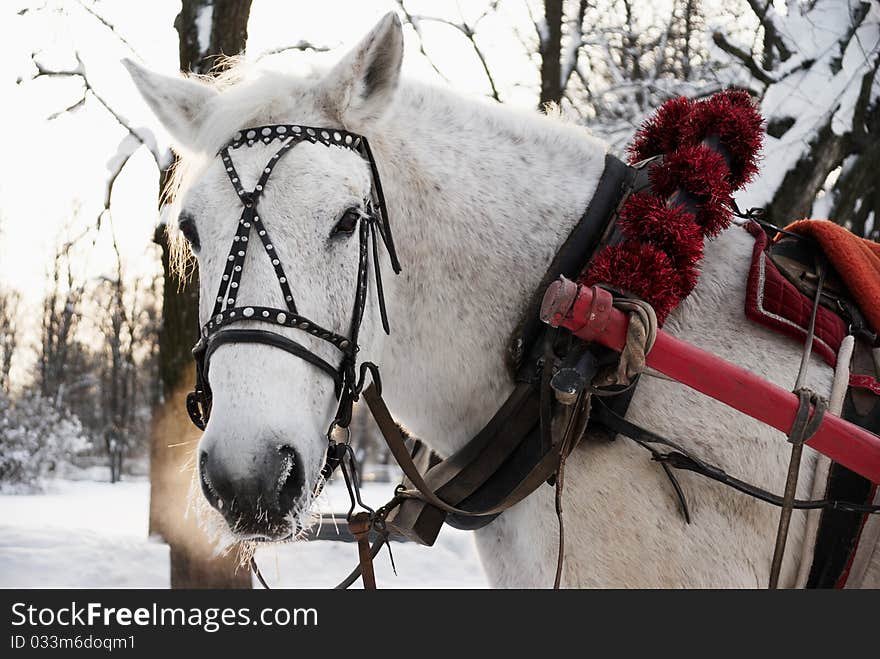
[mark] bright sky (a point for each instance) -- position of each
(53, 186)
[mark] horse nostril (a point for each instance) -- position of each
(256, 496)
(291, 479)
(207, 487)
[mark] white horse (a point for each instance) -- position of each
(481, 197)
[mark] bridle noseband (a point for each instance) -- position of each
(348, 379)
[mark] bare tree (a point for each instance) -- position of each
(9, 335)
(61, 316)
(120, 381)
(610, 61)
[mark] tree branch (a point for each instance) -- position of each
(42, 71)
(69, 108)
(860, 132)
(301, 45)
(468, 32)
(772, 39)
(109, 26)
(80, 71)
(414, 22)
(123, 152)
(719, 39)
(575, 41)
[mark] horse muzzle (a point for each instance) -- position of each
(257, 492)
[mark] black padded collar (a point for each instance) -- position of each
(588, 235)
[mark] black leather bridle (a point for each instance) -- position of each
(348, 378)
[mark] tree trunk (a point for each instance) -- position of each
(689, 17)
(795, 196)
(855, 193)
(173, 438)
(550, 45)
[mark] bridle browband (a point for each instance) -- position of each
(348, 379)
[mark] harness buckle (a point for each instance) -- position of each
(335, 452)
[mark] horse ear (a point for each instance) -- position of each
(177, 101)
(361, 86)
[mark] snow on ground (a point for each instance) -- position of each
(61, 558)
(87, 534)
(451, 563)
(80, 534)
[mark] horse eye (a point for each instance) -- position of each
(347, 223)
(188, 228)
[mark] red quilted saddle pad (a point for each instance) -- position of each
(774, 302)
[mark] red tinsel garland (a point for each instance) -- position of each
(659, 257)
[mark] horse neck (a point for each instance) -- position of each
(481, 198)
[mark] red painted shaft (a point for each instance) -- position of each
(573, 307)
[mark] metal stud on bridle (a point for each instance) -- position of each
(348, 379)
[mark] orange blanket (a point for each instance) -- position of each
(857, 260)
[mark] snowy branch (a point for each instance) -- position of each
(135, 137)
(721, 41)
(569, 57)
(73, 107)
(301, 45)
(109, 26)
(145, 139)
(125, 148)
(772, 39)
(42, 71)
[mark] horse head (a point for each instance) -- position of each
(282, 336)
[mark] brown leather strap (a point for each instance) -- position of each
(802, 429)
(396, 443)
(545, 467)
(359, 525)
(464, 463)
(461, 474)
